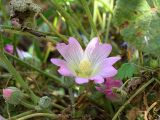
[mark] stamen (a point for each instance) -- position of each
(85, 65)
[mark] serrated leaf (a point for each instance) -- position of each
(139, 24)
(127, 70)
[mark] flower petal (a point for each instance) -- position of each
(107, 71)
(105, 67)
(100, 89)
(92, 45)
(98, 79)
(64, 69)
(2, 118)
(111, 82)
(7, 93)
(97, 52)
(72, 52)
(81, 80)
(111, 60)
(23, 55)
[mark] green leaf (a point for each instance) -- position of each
(127, 70)
(3, 65)
(139, 24)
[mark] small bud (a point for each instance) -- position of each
(44, 102)
(9, 48)
(12, 95)
(7, 93)
(153, 63)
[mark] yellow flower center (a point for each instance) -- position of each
(84, 68)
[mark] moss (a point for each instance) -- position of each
(24, 10)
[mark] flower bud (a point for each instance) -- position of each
(9, 48)
(7, 93)
(153, 63)
(12, 95)
(44, 102)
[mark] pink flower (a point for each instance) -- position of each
(91, 64)
(13, 95)
(107, 88)
(2, 118)
(9, 48)
(22, 54)
(7, 93)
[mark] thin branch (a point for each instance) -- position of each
(130, 99)
(49, 115)
(33, 33)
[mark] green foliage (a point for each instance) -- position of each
(153, 63)
(62, 1)
(139, 21)
(127, 70)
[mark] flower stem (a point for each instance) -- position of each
(8, 111)
(30, 106)
(130, 99)
(140, 58)
(84, 3)
(32, 33)
(71, 94)
(109, 21)
(53, 116)
(58, 106)
(27, 105)
(48, 50)
(21, 115)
